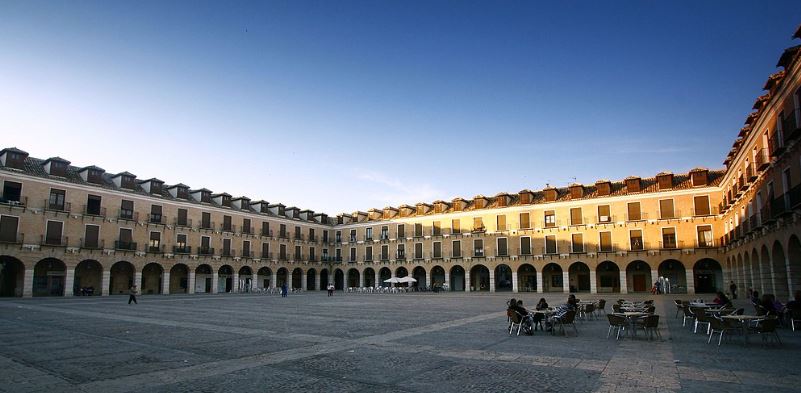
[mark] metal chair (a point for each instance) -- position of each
(721, 326)
(569, 318)
(602, 306)
(766, 327)
(515, 319)
(616, 322)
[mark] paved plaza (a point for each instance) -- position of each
(360, 343)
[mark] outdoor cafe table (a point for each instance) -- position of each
(546, 313)
(631, 316)
(744, 320)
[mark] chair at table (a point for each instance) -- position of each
(766, 327)
(616, 308)
(687, 315)
(602, 306)
(722, 326)
(700, 318)
(795, 317)
(679, 305)
(515, 318)
(649, 324)
(616, 322)
(589, 311)
(569, 318)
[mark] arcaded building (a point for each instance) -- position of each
(65, 229)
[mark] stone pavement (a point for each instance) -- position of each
(361, 343)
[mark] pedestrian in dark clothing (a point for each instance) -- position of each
(733, 289)
(132, 294)
(283, 290)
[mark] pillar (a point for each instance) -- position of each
(392, 275)
(215, 276)
(303, 280)
(165, 283)
(690, 281)
(69, 281)
(448, 280)
(274, 279)
(235, 283)
(254, 281)
(428, 279)
(514, 282)
(624, 286)
(191, 284)
(361, 280)
(492, 280)
(377, 278)
(539, 281)
(138, 281)
(593, 281)
(654, 276)
(466, 280)
(105, 282)
(565, 281)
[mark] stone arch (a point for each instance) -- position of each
(49, 276)
(203, 279)
(225, 279)
(401, 272)
(479, 278)
(675, 276)
(778, 264)
(708, 276)
(152, 274)
(437, 276)
(748, 280)
(12, 276)
(737, 269)
(245, 279)
(384, 274)
(552, 278)
(353, 278)
(282, 277)
(638, 276)
(579, 277)
(419, 274)
(369, 278)
(765, 285)
(607, 277)
(88, 278)
(297, 278)
(754, 269)
(179, 278)
(503, 278)
(339, 280)
(794, 258)
(526, 278)
(121, 277)
(324, 279)
(311, 279)
(457, 277)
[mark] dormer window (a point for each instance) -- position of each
(576, 191)
(633, 184)
(56, 166)
(665, 181)
(94, 176)
(205, 196)
(155, 188)
(226, 201)
(13, 158)
(550, 194)
(182, 192)
(604, 188)
(699, 177)
(127, 182)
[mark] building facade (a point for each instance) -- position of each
(64, 229)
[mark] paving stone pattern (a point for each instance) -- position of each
(362, 343)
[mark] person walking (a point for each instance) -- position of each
(132, 292)
(733, 289)
(330, 289)
(283, 290)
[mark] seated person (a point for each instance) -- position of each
(572, 302)
(543, 305)
(766, 306)
(722, 300)
(537, 319)
(794, 304)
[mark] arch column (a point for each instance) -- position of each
(377, 278)
(254, 279)
(69, 281)
(191, 284)
(654, 277)
(274, 279)
(789, 271)
(361, 280)
(447, 279)
(316, 283)
(235, 282)
(466, 280)
(428, 279)
(27, 283)
(514, 281)
(593, 281)
(165, 282)
(303, 284)
(624, 286)
(539, 280)
(215, 276)
(104, 284)
(565, 281)
(690, 281)
(391, 275)
(138, 281)
(492, 280)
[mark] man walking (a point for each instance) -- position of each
(132, 294)
(330, 289)
(283, 290)
(733, 289)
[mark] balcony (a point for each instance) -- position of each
(368, 238)
(778, 207)
(753, 223)
(124, 245)
(384, 237)
(795, 197)
(94, 211)
(230, 228)
(298, 237)
(283, 257)
(266, 233)
(312, 258)
(247, 230)
(127, 215)
(247, 254)
(16, 238)
(283, 235)
(92, 244)
(713, 211)
(701, 243)
(549, 250)
(206, 225)
(155, 219)
(384, 257)
(266, 255)
(181, 249)
(578, 222)
(642, 216)
(761, 159)
(502, 228)
(637, 244)
(298, 257)
(750, 173)
(228, 253)
(61, 241)
(312, 239)
(670, 244)
(604, 219)
(478, 253)
(185, 223)
(205, 251)
(13, 200)
(775, 145)
(400, 256)
(479, 230)
(155, 249)
(790, 129)
(64, 207)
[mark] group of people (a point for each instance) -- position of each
(533, 321)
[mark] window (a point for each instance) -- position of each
(666, 209)
(265, 250)
(550, 219)
(352, 235)
(368, 253)
(352, 254)
(575, 216)
(368, 234)
(325, 236)
(401, 231)
(92, 205)
(456, 226)
(298, 253)
(436, 229)
(282, 231)
(604, 215)
(53, 233)
(578, 242)
(437, 250)
(418, 250)
(91, 237)
(265, 229)
(205, 246)
(456, 251)
(12, 192)
(525, 245)
(8, 229)
(246, 226)
(226, 251)
(705, 236)
(298, 235)
(605, 242)
(401, 251)
(384, 233)
(180, 244)
(155, 214)
(634, 213)
(312, 256)
(56, 201)
(503, 249)
(418, 230)
(701, 205)
(338, 236)
(205, 220)
(384, 252)
(181, 219)
(500, 223)
(550, 244)
(478, 248)
(312, 238)
(669, 238)
(478, 224)
(635, 239)
(125, 241)
(246, 248)
(154, 245)
(338, 254)
(525, 221)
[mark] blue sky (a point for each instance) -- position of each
(343, 105)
